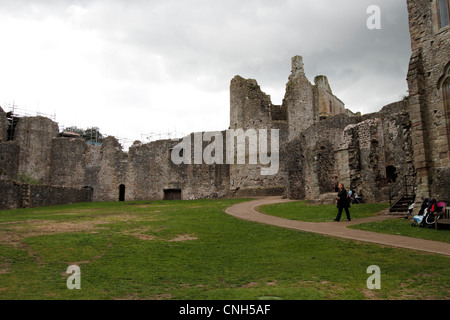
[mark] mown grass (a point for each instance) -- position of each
(303, 211)
(403, 227)
(194, 250)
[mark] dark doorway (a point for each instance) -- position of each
(89, 193)
(391, 174)
(122, 192)
(172, 194)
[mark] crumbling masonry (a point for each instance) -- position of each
(319, 139)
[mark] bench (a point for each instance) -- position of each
(444, 217)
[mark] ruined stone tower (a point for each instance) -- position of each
(429, 94)
(306, 104)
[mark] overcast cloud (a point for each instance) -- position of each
(135, 67)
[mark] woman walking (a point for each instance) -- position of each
(342, 203)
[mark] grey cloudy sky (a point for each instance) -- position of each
(141, 66)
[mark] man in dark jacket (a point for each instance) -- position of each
(342, 203)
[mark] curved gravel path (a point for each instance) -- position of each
(246, 211)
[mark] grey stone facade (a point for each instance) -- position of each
(429, 98)
(318, 138)
(312, 125)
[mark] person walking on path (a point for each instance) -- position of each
(342, 203)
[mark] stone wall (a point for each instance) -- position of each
(318, 139)
(250, 108)
(312, 158)
(9, 160)
(68, 162)
(17, 195)
(3, 126)
(358, 150)
(78, 164)
(34, 135)
(151, 171)
(299, 100)
(306, 104)
(51, 195)
(328, 104)
(429, 69)
(377, 151)
(10, 195)
(312, 150)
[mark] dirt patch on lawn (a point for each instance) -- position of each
(4, 265)
(250, 285)
(182, 237)
(141, 233)
(80, 211)
(14, 232)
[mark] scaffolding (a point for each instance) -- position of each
(14, 113)
(22, 112)
(94, 136)
(166, 135)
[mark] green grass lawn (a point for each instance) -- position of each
(194, 250)
(403, 227)
(303, 211)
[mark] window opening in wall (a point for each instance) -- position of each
(122, 192)
(172, 194)
(90, 192)
(443, 9)
(446, 96)
(391, 176)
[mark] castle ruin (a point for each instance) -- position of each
(318, 138)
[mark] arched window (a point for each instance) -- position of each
(446, 97)
(443, 12)
(444, 87)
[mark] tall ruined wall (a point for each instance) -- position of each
(112, 170)
(9, 151)
(305, 103)
(78, 164)
(327, 103)
(37, 152)
(299, 100)
(68, 162)
(34, 136)
(312, 161)
(358, 150)
(377, 151)
(3, 126)
(250, 108)
(318, 140)
(429, 109)
(206, 180)
(151, 171)
(9, 160)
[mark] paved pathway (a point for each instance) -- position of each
(246, 211)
